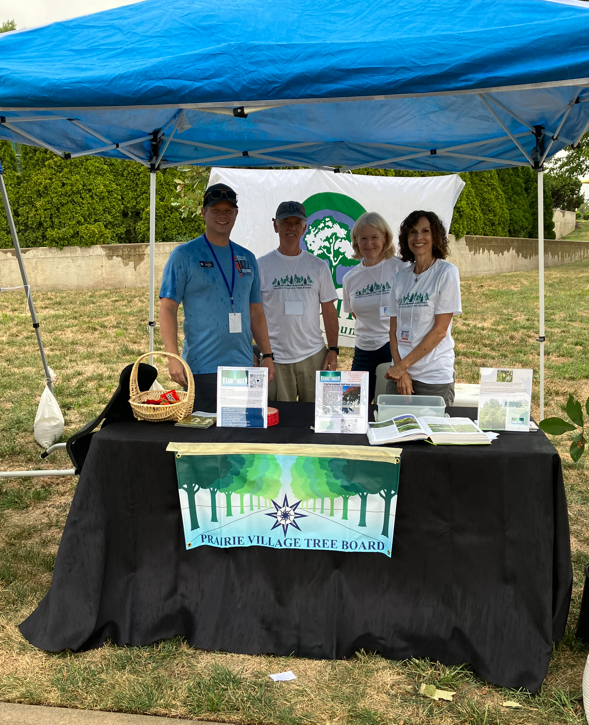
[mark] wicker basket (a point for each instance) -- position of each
(159, 413)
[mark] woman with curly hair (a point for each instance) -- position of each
(366, 290)
(424, 298)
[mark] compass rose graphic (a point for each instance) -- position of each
(286, 515)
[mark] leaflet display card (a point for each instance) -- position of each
(242, 397)
(505, 399)
(341, 401)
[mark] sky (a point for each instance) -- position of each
(29, 13)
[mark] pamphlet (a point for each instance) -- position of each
(242, 397)
(505, 399)
(341, 401)
(440, 431)
(198, 419)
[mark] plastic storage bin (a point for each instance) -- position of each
(392, 405)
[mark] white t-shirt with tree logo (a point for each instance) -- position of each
(415, 301)
(365, 291)
(304, 282)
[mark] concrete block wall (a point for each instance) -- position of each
(564, 222)
(127, 265)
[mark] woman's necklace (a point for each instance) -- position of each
(425, 270)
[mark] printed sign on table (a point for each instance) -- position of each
(336, 498)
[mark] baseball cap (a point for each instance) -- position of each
(291, 208)
(219, 192)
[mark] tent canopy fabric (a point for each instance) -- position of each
(432, 85)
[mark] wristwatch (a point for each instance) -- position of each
(335, 349)
(264, 355)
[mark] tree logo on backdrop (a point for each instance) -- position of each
(330, 219)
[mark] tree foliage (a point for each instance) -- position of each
(8, 160)
(530, 179)
(491, 199)
(467, 217)
(516, 199)
(7, 26)
(70, 203)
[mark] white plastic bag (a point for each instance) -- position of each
(48, 421)
(156, 386)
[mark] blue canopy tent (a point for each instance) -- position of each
(432, 85)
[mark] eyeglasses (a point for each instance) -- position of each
(217, 194)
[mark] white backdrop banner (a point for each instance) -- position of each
(333, 203)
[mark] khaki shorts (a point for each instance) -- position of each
(296, 380)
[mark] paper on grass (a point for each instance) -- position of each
(283, 676)
(435, 694)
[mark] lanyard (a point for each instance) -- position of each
(223, 273)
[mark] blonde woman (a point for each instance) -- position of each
(366, 290)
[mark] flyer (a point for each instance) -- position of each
(505, 399)
(242, 397)
(341, 401)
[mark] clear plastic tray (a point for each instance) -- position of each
(391, 405)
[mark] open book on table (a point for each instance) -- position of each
(440, 431)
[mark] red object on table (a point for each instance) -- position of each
(272, 417)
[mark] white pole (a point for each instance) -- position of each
(541, 337)
(23, 274)
(152, 185)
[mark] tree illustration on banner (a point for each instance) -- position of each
(300, 479)
(233, 481)
(264, 475)
(190, 484)
(330, 219)
(211, 471)
(336, 468)
(368, 477)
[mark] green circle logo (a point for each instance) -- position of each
(330, 219)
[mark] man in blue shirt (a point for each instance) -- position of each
(218, 284)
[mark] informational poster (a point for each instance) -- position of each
(333, 203)
(242, 397)
(505, 399)
(341, 401)
(327, 498)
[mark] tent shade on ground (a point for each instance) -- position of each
(432, 85)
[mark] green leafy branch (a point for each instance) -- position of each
(557, 426)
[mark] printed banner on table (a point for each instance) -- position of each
(335, 498)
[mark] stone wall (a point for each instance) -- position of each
(475, 256)
(564, 222)
(127, 265)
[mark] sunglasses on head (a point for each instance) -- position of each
(217, 194)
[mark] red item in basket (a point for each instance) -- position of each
(169, 397)
(272, 416)
(152, 402)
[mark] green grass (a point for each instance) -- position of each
(581, 234)
(89, 338)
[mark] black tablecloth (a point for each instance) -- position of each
(480, 571)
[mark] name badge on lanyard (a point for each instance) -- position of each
(235, 322)
(293, 307)
(383, 312)
(405, 337)
(234, 317)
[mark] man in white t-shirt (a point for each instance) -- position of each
(296, 286)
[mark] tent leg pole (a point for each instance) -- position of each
(541, 337)
(152, 202)
(23, 274)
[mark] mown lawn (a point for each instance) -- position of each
(89, 337)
